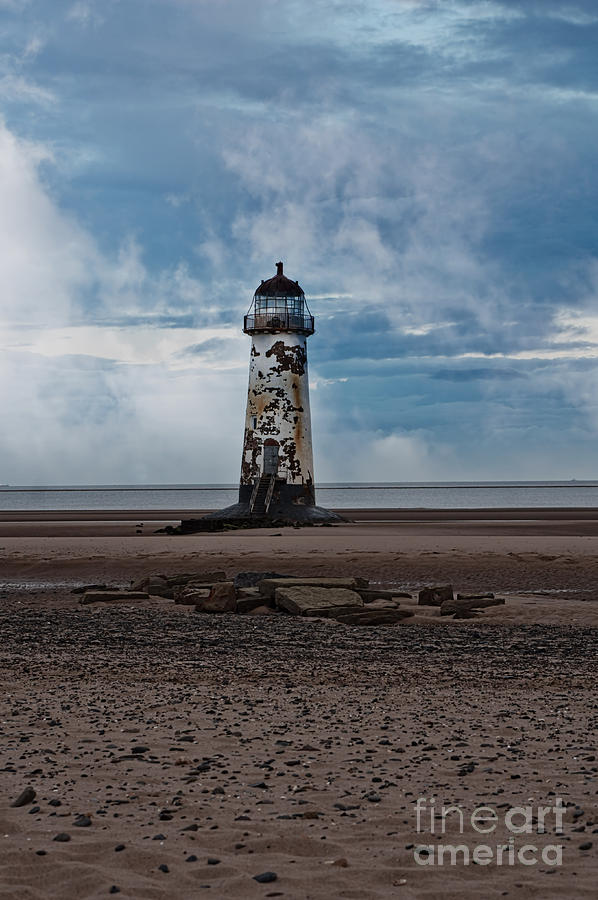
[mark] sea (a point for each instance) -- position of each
(378, 495)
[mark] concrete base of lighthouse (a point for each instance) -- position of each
(291, 504)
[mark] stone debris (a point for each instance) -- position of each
(369, 595)
(340, 599)
(435, 596)
(470, 604)
(268, 586)
(221, 599)
(315, 600)
(371, 616)
(26, 796)
(160, 585)
(191, 596)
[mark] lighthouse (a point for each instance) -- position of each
(277, 469)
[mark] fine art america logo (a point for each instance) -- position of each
(516, 821)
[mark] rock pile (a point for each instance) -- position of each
(350, 600)
(463, 606)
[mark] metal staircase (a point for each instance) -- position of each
(262, 496)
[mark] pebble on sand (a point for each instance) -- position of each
(265, 877)
(25, 797)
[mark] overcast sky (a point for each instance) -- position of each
(427, 170)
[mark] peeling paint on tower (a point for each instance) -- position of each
(278, 394)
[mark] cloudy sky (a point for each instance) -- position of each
(427, 169)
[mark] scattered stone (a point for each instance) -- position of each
(368, 595)
(119, 848)
(262, 611)
(486, 596)
(459, 606)
(163, 868)
(62, 838)
(222, 599)
(190, 596)
(82, 822)
(315, 600)
(114, 889)
(26, 796)
(166, 585)
(213, 861)
(371, 616)
(265, 877)
(435, 596)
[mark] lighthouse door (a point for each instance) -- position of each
(270, 458)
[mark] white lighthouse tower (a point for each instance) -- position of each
(277, 470)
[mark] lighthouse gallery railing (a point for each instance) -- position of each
(278, 320)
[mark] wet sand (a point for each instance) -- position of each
(297, 747)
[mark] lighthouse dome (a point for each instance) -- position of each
(279, 286)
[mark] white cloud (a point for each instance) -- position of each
(18, 88)
(46, 259)
(147, 411)
(85, 13)
(73, 420)
(377, 457)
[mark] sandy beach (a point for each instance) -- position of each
(183, 754)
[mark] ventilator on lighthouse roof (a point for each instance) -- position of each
(279, 286)
(279, 305)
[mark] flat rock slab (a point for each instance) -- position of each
(269, 586)
(368, 595)
(459, 607)
(371, 616)
(191, 596)
(112, 596)
(303, 600)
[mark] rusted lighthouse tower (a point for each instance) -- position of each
(277, 470)
(277, 452)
